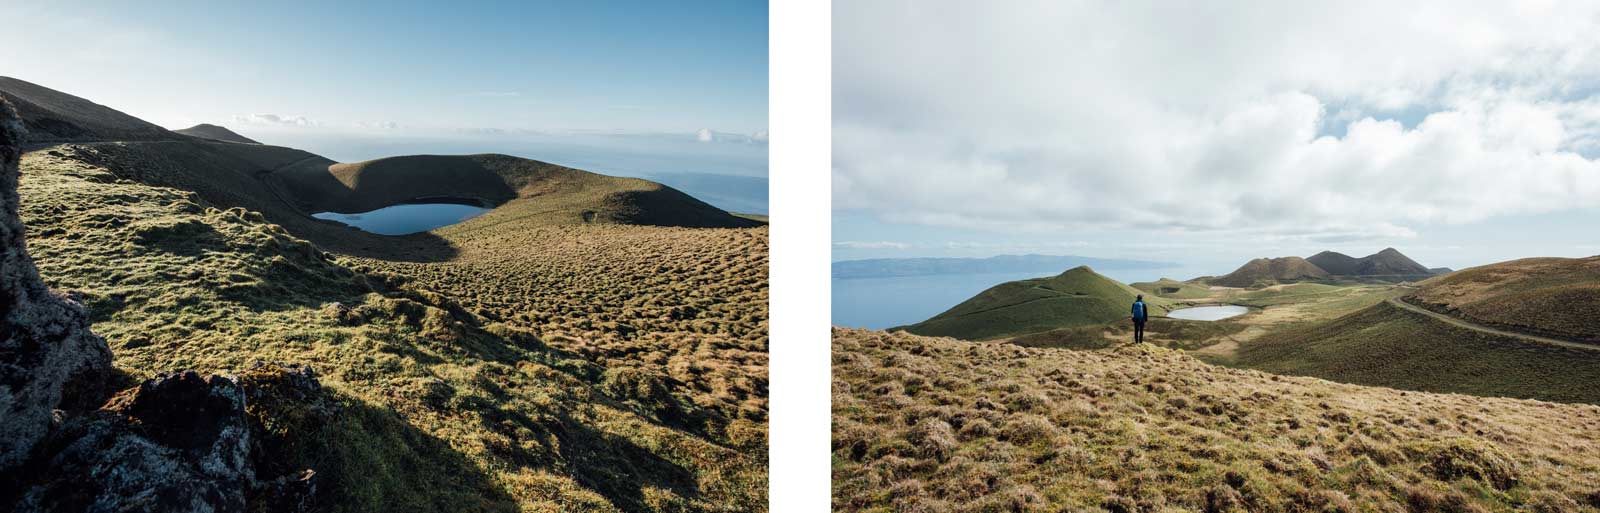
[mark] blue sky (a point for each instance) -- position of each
(1207, 134)
(631, 66)
(674, 92)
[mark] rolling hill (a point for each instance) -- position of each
(53, 117)
(1077, 297)
(936, 424)
(1385, 345)
(285, 185)
(525, 190)
(1388, 262)
(1263, 271)
(215, 133)
(522, 361)
(1335, 262)
(1546, 296)
(1173, 289)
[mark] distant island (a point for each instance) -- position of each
(1049, 264)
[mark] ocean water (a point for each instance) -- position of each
(879, 303)
(407, 218)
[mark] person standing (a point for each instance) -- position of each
(1140, 314)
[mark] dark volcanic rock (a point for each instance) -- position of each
(178, 442)
(48, 356)
(182, 442)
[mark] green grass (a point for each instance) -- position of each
(528, 368)
(1077, 297)
(937, 424)
(1387, 346)
(526, 191)
(1173, 289)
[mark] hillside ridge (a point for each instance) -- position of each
(215, 133)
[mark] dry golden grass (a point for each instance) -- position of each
(684, 306)
(936, 424)
(1546, 296)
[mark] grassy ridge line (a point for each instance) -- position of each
(935, 424)
(1386, 345)
(525, 190)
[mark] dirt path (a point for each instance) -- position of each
(1493, 331)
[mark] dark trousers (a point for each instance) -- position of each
(1138, 331)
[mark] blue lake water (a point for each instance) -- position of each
(407, 218)
(879, 303)
(1207, 313)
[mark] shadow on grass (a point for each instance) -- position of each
(369, 458)
(619, 469)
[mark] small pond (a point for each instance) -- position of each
(406, 218)
(1207, 313)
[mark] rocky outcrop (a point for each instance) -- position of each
(48, 357)
(178, 442)
(182, 442)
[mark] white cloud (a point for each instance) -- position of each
(276, 120)
(850, 244)
(704, 135)
(496, 94)
(1050, 117)
(377, 125)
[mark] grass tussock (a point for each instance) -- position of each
(618, 369)
(936, 424)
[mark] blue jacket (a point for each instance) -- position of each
(1138, 311)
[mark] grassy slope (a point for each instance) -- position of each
(536, 191)
(928, 424)
(52, 116)
(1548, 296)
(1077, 297)
(551, 409)
(1266, 271)
(1185, 290)
(215, 133)
(1385, 345)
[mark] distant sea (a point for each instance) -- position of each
(879, 303)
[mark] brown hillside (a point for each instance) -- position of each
(1390, 262)
(1262, 270)
(215, 133)
(1335, 262)
(1548, 296)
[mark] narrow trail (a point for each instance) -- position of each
(1492, 331)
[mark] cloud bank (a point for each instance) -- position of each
(1289, 121)
(276, 120)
